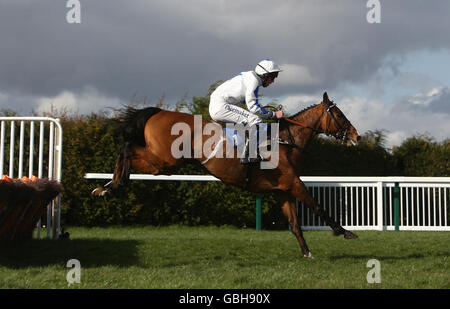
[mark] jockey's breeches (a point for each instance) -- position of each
(220, 110)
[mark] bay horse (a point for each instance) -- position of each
(147, 149)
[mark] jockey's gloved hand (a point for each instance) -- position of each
(278, 114)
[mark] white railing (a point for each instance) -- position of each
(362, 203)
(369, 203)
(48, 156)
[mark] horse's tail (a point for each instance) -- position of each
(131, 125)
(122, 168)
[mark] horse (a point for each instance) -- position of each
(147, 149)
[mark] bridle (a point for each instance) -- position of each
(340, 134)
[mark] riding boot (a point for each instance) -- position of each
(245, 154)
(246, 158)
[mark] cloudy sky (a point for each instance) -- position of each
(392, 76)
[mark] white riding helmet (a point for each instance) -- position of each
(266, 66)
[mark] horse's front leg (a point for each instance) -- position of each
(300, 191)
(289, 210)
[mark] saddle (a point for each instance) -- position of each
(241, 140)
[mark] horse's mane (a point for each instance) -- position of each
(303, 110)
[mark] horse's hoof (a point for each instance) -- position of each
(99, 191)
(350, 235)
(96, 191)
(309, 255)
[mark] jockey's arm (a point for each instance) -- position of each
(251, 100)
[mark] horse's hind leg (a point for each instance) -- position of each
(137, 158)
(300, 191)
(145, 167)
(289, 210)
(121, 173)
(144, 161)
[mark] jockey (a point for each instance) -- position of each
(243, 90)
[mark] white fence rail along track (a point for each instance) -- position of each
(35, 150)
(360, 203)
(374, 203)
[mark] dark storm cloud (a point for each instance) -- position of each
(118, 48)
(156, 48)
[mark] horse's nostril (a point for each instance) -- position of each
(358, 138)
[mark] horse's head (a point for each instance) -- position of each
(335, 123)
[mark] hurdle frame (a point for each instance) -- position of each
(54, 166)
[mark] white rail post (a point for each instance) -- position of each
(40, 166)
(31, 152)
(21, 150)
(11, 150)
(57, 172)
(380, 205)
(2, 148)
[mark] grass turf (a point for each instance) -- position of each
(179, 257)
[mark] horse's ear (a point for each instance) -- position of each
(325, 97)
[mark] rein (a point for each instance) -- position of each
(328, 108)
(303, 125)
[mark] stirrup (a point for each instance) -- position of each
(258, 159)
